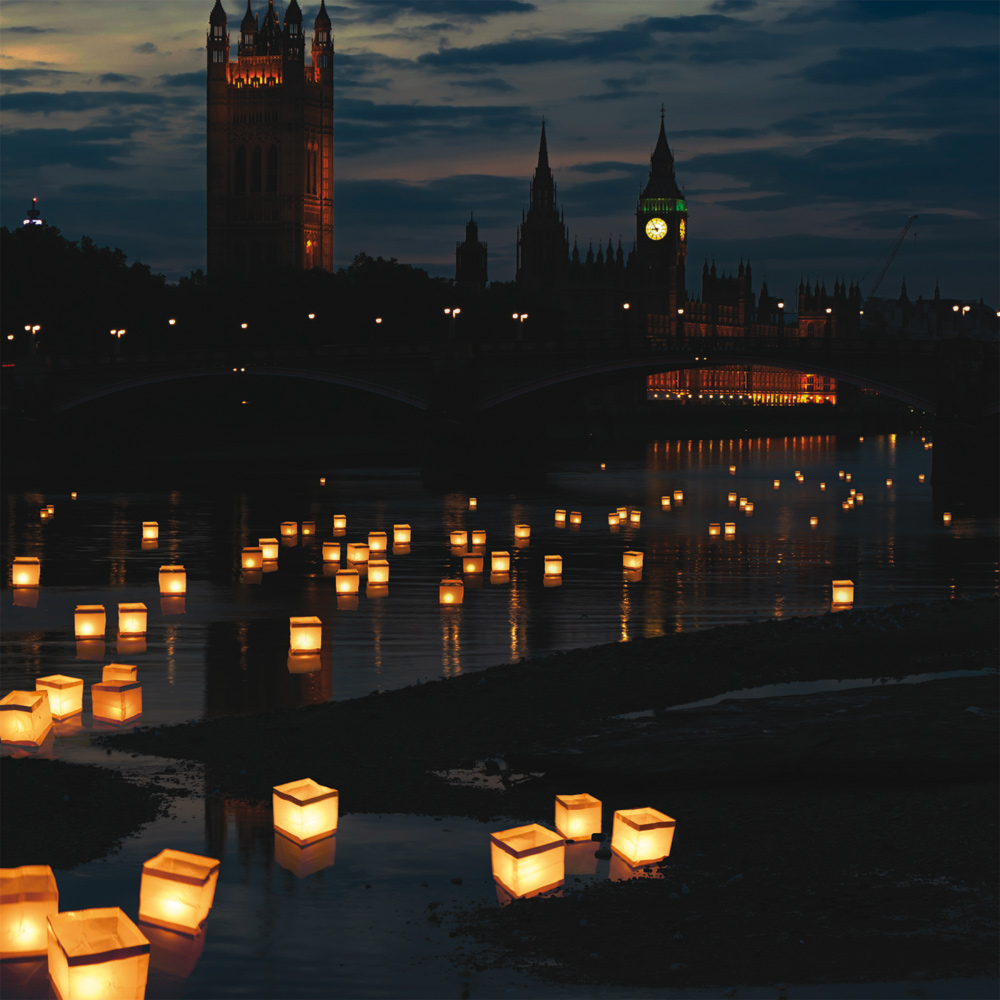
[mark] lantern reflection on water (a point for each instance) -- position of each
(173, 580)
(65, 694)
(305, 811)
(89, 621)
(132, 619)
(28, 896)
(172, 952)
(843, 593)
(25, 717)
(331, 552)
(25, 571)
(642, 836)
(177, 890)
(305, 634)
(500, 562)
(527, 859)
(578, 816)
(303, 861)
(150, 531)
(96, 953)
(401, 534)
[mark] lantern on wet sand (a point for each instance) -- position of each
(946, 517)
(553, 566)
(269, 548)
(378, 573)
(634, 516)
(575, 517)
(401, 534)
(331, 552)
(305, 811)
(28, 896)
(305, 634)
(459, 539)
(528, 859)
(150, 531)
(500, 562)
(730, 529)
(451, 592)
(96, 953)
(252, 557)
(347, 581)
(289, 529)
(614, 519)
(714, 529)
(173, 580)
(65, 694)
(578, 817)
(642, 836)
(631, 560)
(843, 593)
(472, 563)
(177, 890)
(25, 571)
(357, 552)
(132, 619)
(522, 532)
(479, 537)
(25, 717)
(560, 517)
(89, 621)
(378, 541)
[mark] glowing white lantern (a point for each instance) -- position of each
(634, 516)
(920, 478)
(347, 581)
(269, 548)
(522, 531)
(289, 529)
(89, 621)
(451, 592)
(401, 534)
(843, 593)
(459, 539)
(622, 514)
(357, 552)
(28, 896)
(116, 699)
(132, 619)
(553, 566)
(252, 557)
(25, 717)
(472, 563)
(339, 522)
(500, 562)
(305, 634)
(378, 573)
(715, 529)
(65, 694)
(822, 486)
(578, 817)
(840, 474)
(150, 531)
(26, 571)
(613, 519)
(603, 466)
(846, 505)
(743, 502)
(748, 508)
(331, 552)
(560, 517)
(853, 491)
(730, 528)
(305, 811)
(177, 890)
(528, 859)
(859, 498)
(631, 560)
(642, 836)
(473, 503)
(378, 541)
(173, 580)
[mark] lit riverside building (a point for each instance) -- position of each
(270, 144)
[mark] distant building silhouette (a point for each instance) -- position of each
(33, 217)
(270, 143)
(470, 260)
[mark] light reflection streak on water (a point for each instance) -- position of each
(451, 641)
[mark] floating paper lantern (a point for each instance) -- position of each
(378, 573)
(51, 508)
(116, 700)
(603, 466)
(305, 634)
(614, 519)
(401, 534)
(578, 817)
(252, 557)
(813, 521)
(560, 517)
(859, 498)
(714, 529)
(665, 502)
(72, 496)
(528, 859)
(777, 484)
(631, 560)
(634, 516)
(642, 836)
(479, 537)
(472, 563)
(847, 477)
(732, 470)
(305, 811)
(473, 503)
(378, 541)
(575, 517)
(846, 505)
(888, 482)
(743, 502)
(451, 592)
(748, 508)
(500, 562)
(678, 496)
(840, 474)
(822, 486)
(623, 513)
(150, 531)
(459, 539)
(731, 498)
(96, 953)
(43, 514)
(322, 480)
(357, 552)
(340, 522)
(553, 566)
(843, 593)
(132, 619)
(173, 580)
(28, 896)
(25, 571)
(89, 621)
(920, 478)
(25, 717)
(730, 529)
(289, 529)
(347, 581)
(853, 491)
(65, 694)
(308, 527)
(946, 517)
(331, 552)
(522, 531)
(177, 890)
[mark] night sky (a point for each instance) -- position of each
(805, 133)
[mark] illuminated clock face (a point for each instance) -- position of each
(656, 229)
(682, 229)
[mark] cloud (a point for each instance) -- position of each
(193, 79)
(90, 148)
(119, 78)
(42, 102)
(861, 67)
(602, 167)
(860, 11)
(34, 77)
(147, 49)
(493, 84)
(733, 6)
(28, 29)
(717, 133)
(459, 10)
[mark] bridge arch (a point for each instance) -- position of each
(331, 378)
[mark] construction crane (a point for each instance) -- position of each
(889, 257)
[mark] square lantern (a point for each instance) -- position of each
(347, 581)
(451, 592)
(642, 836)
(305, 811)
(843, 593)
(28, 896)
(401, 534)
(743, 502)
(459, 539)
(844, 504)
(252, 557)
(378, 573)
(89, 621)
(43, 514)
(714, 529)
(748, 508)
(25, 571)
(946, 517)
(622, 513)
(560, 517)
(578, 816)
(553, 565)
(305, 634)
(840, 474)
(522, 532)
(888, 482)
(177, 890)
(500, 562)
(603, 466)
(377, 541)
(665, 502)
(340, 522)
(631, 560)
(921, 477)
(116, 701)
(65, 694)
(853, 491)
(119, 672)
(25, 717)
(478, 537)
(331, 552)
(528, 859)
(96, 953)
(150, 531)
(614, 519)
(678, 496)
(813, 522)
(132, 619)
(357, 552)
(173, 580)
(575, 517)
(859, 498)
(777, 484)
(472, 563)
(269, 548)
(634, 516)
(308, 527)
(847, 477)
(731, 498)
(732, 470)
(822, 486)
(289, 529)
(730, 528)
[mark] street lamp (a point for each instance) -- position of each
(378, 319)
(452, 314)
(625, 305)
(243, 326)
(312, 315)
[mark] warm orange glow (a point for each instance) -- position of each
(614, 519)
(714, 529)
(65, 694)
(813, 521)
(678, 496)
(946, 517)
(622, 514)
(748, 507)
(289, 529)
(920, 478)
(822, 486)
(451, 592)
(339, 522)
(840, 474)
(269, 549)
(560, 517)
(173, 580)
(478, 537)
(25, 717)
(730, 527)
(665, 502)
(26, 571)
(634, 516)
(777, 484)
(252, 557)
(308, 527)
(347, 581)
(500, 562)
(473, 503)
(732, 470)
(177, 890)
(89, 621)
(528, 859)
(378, 541)
(888, 482)
(843, 593)
(847, 477)
(357, 552)
(859, 498)
(28, 896)
(401, 534)
(150, 531)
(118, 697)
(378, 573)
(459, 539)
(132, 619)
(331, 552)
(603, 466)
(578, 816)
(522, 531)
(632, 560)
(305, 634)
(575, 517)
(305, 811)
(642, 836)
(731, 498)
(553, 566)
(472, 563)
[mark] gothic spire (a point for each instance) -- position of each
(543, 150)
(218, 15)
(662, 183)
(322, 18)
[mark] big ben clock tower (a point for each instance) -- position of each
(661, 241)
